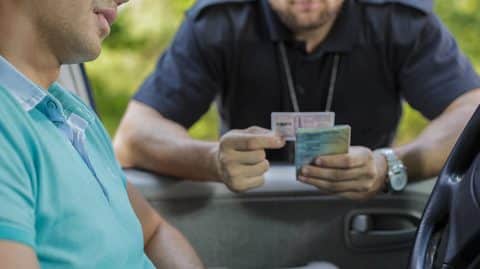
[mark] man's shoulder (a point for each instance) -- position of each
(204, 6)
(10, 108)
(396, 20)
(14, 127)
(422, 6)
(220, 21)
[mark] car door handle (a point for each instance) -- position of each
(375, 230)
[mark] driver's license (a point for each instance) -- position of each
(287, 123)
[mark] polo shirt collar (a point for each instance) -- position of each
(344, 33)
(30, 95)
(27, 93)
(342, 36)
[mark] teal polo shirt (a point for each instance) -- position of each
(61, 190)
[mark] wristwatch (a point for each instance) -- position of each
(397, 172)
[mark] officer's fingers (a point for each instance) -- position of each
(361, 186)
(235, 171)
(257, 130)
(244, 141)
(356, 157)
(262, 141)
(251, 130)
(243, 157)
(332, 174)
(245, 184)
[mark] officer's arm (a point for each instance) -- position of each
(361, 173)
(432, 71)
(15, 255)
(426, 155)
(164, 245)
(145, 139)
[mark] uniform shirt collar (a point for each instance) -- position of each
(342, 36)
(277, 31)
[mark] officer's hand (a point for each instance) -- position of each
(241, 159)
(359, 175)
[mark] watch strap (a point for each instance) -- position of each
(393, 165)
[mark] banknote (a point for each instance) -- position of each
(311, 143)
(286, 123)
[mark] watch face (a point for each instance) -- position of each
(398, 181)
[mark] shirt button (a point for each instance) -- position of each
(51, 105)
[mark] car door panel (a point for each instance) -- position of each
(286, 223)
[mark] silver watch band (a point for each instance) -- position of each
(396, 175)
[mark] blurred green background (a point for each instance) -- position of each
(145, 28)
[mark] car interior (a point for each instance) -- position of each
(287, 224)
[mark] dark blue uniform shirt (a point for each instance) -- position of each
(389, 51)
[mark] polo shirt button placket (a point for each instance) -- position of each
(51, 105)
(53, 112)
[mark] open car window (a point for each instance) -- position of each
(221, 224)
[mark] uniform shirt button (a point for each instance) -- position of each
(300, 89)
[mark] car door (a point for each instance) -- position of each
(282, 224)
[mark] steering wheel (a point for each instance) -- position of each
(448, 236)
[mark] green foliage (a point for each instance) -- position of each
(463, 20)
(145, 28)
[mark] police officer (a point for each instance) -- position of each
(358, 58)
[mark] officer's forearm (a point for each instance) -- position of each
(147, 140)
(426, 155)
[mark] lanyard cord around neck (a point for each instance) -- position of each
(291, 87)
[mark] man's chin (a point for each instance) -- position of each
(304, 27)
(92, 56)
(300, 23)
(83, 56)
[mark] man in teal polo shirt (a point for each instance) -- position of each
(64, 201)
